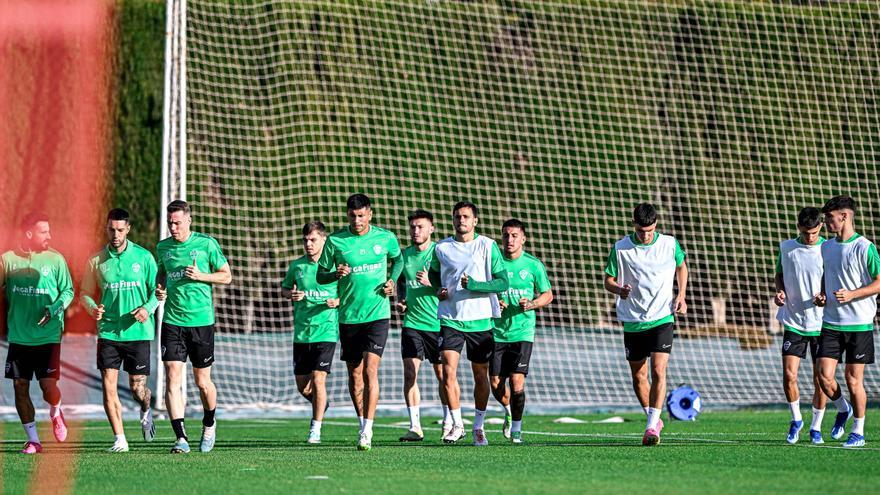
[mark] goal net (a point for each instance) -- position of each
(729, 116)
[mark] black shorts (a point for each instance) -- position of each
(510, 357)
(420, 344)
(795, 344)
(134, 357)
(859, 346)
(640, 345)
(358, 338)
(316, 356)
(25, 361)
(479, 344)
(197, 343)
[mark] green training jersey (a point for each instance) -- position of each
(122, 282)
(313, 321)
(421, 301)
(189, 303)
(528, 278)
(361, 296)
(34, 283)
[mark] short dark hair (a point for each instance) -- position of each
(316, 226)
(645, 215)
(515, 224)
(31, 219)
(417, 214)
(839, 203)
(118, 214)
(178, 205)
(357, 201)
(809, 218)
(465, 204)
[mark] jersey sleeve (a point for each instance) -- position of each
(873, 261)
(65, 290)
(215, 255)
(779, 262)
(680, 255)
(326, 264)
(611, 264)
(152, 271)
(542, 281)
(497, 260)
(393, 246)
(289, 278)
(89, 290)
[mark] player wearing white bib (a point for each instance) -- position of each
(798, 280)
(641, 269)
(469, 270)
(852, 282)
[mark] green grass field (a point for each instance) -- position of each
(724, 452)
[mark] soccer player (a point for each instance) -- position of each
(514, 332)
(641, 269)
(38, 290)
(469, 272)
(190, 263)
(122, 276)
(420, 336)
(315, 324)
(852, 282)
(358, 257)
(798, 280)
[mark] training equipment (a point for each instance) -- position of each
(684, 404)
(563, 113)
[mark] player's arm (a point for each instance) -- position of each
(869, 290)
(610, 282)
(681, 276)
(222, 275)
(542, 288)
(289, 291)
(499, 282)
(394, 275)
(149, 306)
(328, 270)
(89, 293)
(779, 281)
(65, 295)
(819, 299)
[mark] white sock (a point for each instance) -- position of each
(795, 408)
(415, 421)
(653, 417)
(146, 414)
(818, 414)
(368, 428)
(478, 419)
(447, 418)
(456, 417)
(858, 426)
(647, 410)
(361, 423)
(841, 403)
(120, 439)
(31, 430)
(507, 410)
(316, 426)
(54, 410)
(516, 425)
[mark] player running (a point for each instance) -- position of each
(469, 272)
(315, 324)
(798, 280)
(514, 332)
(420, 336)
(190, 263)
(358, 257)
(38, 290)
(122, 276)
(852, 282)
(641, 269)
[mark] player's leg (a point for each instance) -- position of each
(25, 409)
(113, 408)
(656, 396)
(641, 385)
(498, 383)
(136, 363)
(376, 336)
(352, 353)
(208, 395)
(517, 404)
(831, 346)
(855, 373)
(412, 396)
(790, 365)
(174, 356)
(819, 401)
(49, 356)
(479, 351)
(318, 381)
(450, 348)
(444, 400)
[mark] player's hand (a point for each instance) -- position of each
(819, 299)
(422, 278)
(297, 295)
(45, 319)
(443, 294)
(98, 312)
(843, 296)
(526, 304)
(332, 303)
(342, 270)
(625, 290)
(681, 307)
(502, 304)
(388, 288)
(464, 281)
(400, 307)
(779, 300)
(161, 293)
(192, 272)
(140, 314)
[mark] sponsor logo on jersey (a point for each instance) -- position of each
(367, 267)
(30, 291)
(136, 267)
(122, 284)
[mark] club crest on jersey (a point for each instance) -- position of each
(194, 255)
(45, 271)
(168, 255)
(363, 252)
(523, 274)
(103, 268)
(377, 249)
(136, 267)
